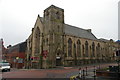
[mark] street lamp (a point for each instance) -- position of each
(17, 58)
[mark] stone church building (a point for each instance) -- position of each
(54, 43)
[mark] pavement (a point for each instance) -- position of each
(59, 72)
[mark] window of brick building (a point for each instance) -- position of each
(37, 40)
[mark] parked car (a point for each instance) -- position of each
(4, 66)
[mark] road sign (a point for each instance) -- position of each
(45, 52)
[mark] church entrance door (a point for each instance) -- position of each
(58, 61)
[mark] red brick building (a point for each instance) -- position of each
(2, 50)
(16, 55)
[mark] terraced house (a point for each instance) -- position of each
(54, 43)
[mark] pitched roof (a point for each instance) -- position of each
(20, 47)
(75, 31)
(79, 32)
(104, 40)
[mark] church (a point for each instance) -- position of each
(54, 43)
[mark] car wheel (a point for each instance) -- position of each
(3, 70)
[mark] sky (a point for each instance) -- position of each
(17, 17)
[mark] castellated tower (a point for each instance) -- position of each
(53, 35)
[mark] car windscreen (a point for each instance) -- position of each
(4, 64)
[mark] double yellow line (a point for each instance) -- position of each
(74, 77)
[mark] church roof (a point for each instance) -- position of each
(75, 31)
(79, 32)
(104, 40)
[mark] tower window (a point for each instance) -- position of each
(57, 15)
(47, 13)
(47, 41)
(58, 28)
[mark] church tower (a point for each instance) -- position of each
(53, 35)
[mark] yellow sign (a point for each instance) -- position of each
(17, 57)
(74, 77)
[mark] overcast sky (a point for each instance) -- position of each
(17, 17)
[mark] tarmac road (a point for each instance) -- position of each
(61, 72)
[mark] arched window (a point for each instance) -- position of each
(75, 59)
(78, 48)
(90, 51)
(86, 48)
(69, 47)
(47, 13)
(47, 41)
(98, 50)
(57, 15)
(37, 41)
(93, 49)
(74, 48)
(58, 28)
(83, 51)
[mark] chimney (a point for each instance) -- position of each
(9, 46)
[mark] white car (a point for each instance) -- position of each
(4, 66)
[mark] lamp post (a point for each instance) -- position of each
(94, 73)
(17, 58)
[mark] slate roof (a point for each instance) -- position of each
(75, 31)
(21, 47)
(104, 40)
(79, 32)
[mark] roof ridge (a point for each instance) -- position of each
(76, 27)
(80, 32)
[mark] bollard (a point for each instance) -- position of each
(99, 67)
(80, 73)
(83, 78)
(86, 70)
(94, 73)
(83, 72)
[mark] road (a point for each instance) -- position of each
(61, 72)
